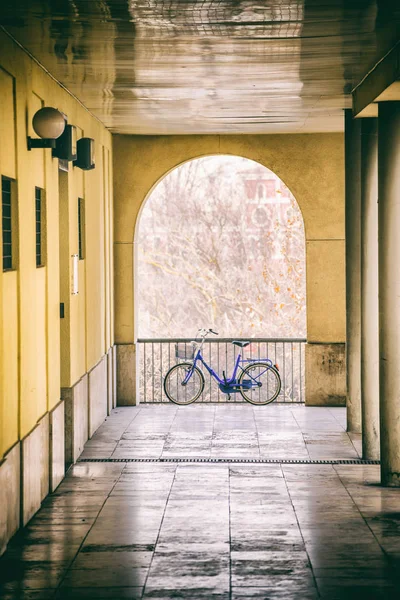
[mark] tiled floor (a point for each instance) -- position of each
(221, 430)
(213, 531)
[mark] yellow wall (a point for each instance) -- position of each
(311, 165)
(31, 343)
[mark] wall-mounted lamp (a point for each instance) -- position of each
(65, 147)
(49, 124)
(85, 154)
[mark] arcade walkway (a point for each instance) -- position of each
(219, 531)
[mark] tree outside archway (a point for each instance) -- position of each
(221, 244)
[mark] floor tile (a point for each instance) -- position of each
(223, 531)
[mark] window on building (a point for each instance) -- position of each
(261, 191)
(39, 211)
(81, 228)
(7, 223)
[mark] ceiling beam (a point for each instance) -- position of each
(381, 84)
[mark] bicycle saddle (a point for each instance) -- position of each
(240, 344)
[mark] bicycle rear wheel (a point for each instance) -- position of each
(183, 393)
(268, 383)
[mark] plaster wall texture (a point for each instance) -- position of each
(311, 165)
(30, 336)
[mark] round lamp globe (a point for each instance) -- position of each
(48, 123)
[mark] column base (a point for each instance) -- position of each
(325, 375)
(126, 375)
(390, 479)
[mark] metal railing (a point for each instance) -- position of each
(156, 356)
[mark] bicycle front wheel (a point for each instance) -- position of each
(265, 383)
(181, 390)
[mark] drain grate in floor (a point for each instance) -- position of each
(268, 461)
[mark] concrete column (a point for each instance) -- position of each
(369, 290)
(353, 269)
(389, 289)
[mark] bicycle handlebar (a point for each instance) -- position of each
(204, 332)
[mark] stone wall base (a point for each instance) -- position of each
(10, 477)
(76, 400)
(57, 445)
(29, 471)
(87, 404)
(325, 375)
(98, 392)
(36, 465)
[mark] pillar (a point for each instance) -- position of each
(389, 289)
(353, 269)
(369, 290)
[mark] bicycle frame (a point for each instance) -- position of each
(232, 380)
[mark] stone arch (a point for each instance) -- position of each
(131, 218)
(311, 165)
(171, 168)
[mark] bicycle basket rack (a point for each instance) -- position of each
(185, 350)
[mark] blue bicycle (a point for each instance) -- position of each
(259, 382)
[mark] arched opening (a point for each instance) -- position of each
(220, 243)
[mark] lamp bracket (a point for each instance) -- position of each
(41, 143)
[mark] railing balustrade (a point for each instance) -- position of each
(156, 356)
